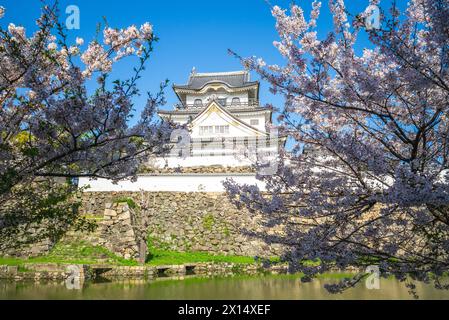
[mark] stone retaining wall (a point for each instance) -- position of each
(190, 221)
(29, 250)
(51, 271)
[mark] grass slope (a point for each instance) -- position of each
(84, 253)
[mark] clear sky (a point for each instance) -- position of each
(192, 33)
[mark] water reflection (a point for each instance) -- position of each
(191, 287)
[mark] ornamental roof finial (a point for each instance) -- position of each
(193, 71)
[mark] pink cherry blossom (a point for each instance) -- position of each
(366, 181)
(51, 127)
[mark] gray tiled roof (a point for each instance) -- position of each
(232, 79)
(196, 111)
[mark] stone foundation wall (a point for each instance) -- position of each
(52, 271)
(31, 250)
(115, 231)
(195, 221)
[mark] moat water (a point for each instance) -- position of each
(238, 287)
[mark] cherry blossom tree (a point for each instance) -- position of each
(52, 128)
(366, 182)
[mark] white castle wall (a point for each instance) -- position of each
(196, 161)
(171, 183)
(248, 117)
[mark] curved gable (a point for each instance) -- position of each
(214, 111)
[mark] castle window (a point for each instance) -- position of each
(198, 103)
(221, 129)
(206, 130)
(235, 101)
(254, 122)
(213, 130)
(222, 101)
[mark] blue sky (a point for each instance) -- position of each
(192, 33)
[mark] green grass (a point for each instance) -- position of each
(73, 253)
(129, 201)
(161, 254)
(208, 221)
(167, 257)
(84, 253)
(11, 261)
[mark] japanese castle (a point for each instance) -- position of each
(225, 128)
(226, 124)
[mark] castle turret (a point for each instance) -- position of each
(223, 116)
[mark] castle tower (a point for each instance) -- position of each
(226, 131)
(222, 114)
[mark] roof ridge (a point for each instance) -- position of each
(226, 73)
(231, 78)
